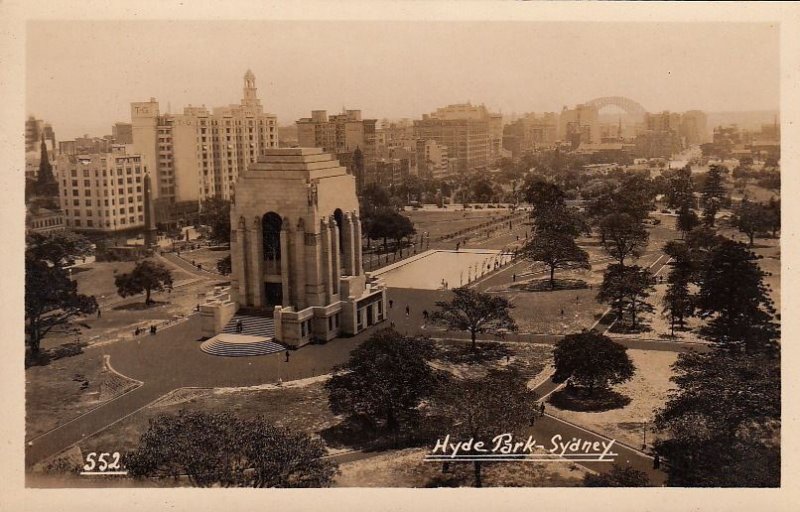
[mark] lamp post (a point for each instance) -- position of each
(644, 433)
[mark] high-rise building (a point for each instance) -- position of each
(660, 137)
(470, 133)
(530, 132)
(122, 133)
(579, 125)
(693, 128)
(340, 134)
(433, 159)
(199, 154)
(101, 191)
(35, 130)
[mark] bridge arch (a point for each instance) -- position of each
(631, 107)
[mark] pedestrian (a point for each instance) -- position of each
(239, 326)
(98, 312)
(136, 332)
(656, 461)
(391, 324)
(541, 409)
(197, 308)
(513, 278)
(425, 314)
(408, 310)
(562, 312)
(391, 303)
(287, 356)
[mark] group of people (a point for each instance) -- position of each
(139, 330)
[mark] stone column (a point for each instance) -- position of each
(349, 246)
(315, 287)
(286, 256)
(336, 263)
(299, 265)
(357, 245)
(255, 249)
(239, 263)
(327, 262)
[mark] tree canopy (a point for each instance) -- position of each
(623, 236)
(222, 449)
(475, 312)
(480, 408)
(557, 250)
(216, 213)
(591, 360)
(384, 381)
(735, 299)
(387, 223)
(619, 476)
(146, 277)
(627, 287)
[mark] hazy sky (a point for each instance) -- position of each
(82, 76)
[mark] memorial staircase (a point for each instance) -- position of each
(256, 338)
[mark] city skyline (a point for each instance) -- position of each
(412, 56)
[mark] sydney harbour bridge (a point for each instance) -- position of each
(631, 107)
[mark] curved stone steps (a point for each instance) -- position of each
(227, 347)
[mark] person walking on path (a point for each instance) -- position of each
(239, 326)
(287, 356)
(657, 461)
(541, 409)
(391, 303)
(408, 310)
(425, 314)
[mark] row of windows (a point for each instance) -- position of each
(87, 173)
(90, 223)
(88, 202)
(87, 192)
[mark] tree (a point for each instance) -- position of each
(619, 476)
(475, 312)
(543, 196)
(752, 218)
(221, 449)
(735, 298)
(680, 191)
(386, 223)
(687, 219)
(723, 420)
(556, 250)
(482, 408)
(224, 265)
(59, 248)
(51, 299)
(591, 360)
(627, 288)
(373, 197)
(678, 301)
(147, 276)
(774, 212)
(216, 213)
(623, 236)
(482, 191)
(384, 381)
(713, 194)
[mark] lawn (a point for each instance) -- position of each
(67, 388)
(439, 223)
(300, 408)
(406, 468)
(647, 390)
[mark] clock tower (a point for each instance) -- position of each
(250, 99)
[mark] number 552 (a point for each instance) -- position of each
(102, 462)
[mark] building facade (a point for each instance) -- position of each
(35, 131)
(433, 160)
(296, 248)
(44, 221)
(579, 125)
(199, 153)
(340, 134)
(102, 192)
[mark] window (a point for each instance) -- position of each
(88, 202)
(74, 173)
(87, 183)
(76, 202)
(74, 183)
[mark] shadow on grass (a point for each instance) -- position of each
(462, 353)
(47, 356)
(578, 399)
(140, 306)
(357, 435)
(543, 285)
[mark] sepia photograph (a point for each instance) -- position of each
(416, 253)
